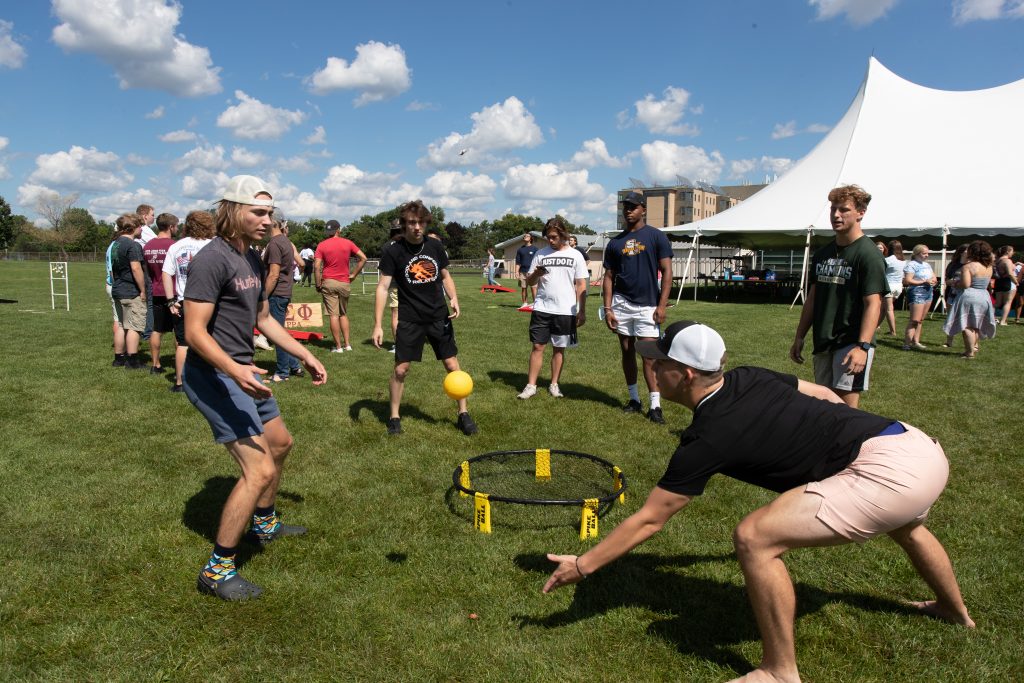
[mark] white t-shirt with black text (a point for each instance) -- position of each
(556, 289)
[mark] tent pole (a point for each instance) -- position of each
(941, 303)
(686, 271)
(800, 295)
(696, 269)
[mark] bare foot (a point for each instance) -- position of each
(931, 608)
(762, 676)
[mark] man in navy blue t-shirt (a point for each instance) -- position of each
(524, 259)
(634, 298)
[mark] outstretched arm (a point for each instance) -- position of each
(637, 528)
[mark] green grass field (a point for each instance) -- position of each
(113, 487)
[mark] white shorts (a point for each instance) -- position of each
(894, 291)
(634, 320)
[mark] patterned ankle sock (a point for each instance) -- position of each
(221, 565)
(265, 522)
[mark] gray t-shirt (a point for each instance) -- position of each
(279, 251)
(233, 282)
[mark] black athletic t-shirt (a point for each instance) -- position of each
(760, 429)
(416, 272)
(125, 251)
(233, 282)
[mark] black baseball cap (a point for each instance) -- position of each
(634, 198)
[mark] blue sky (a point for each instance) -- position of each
(479, 107)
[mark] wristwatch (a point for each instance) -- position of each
(864, 346)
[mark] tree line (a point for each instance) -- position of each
(73, 229)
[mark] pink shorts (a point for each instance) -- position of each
(893, 481)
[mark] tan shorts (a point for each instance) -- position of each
(132, 313)
(335, 295)
(893, 481)
(393, 297)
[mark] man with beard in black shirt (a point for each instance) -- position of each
(843, 476)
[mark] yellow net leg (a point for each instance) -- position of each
(618, 483)
(464, 479)
(588, 522)
(481, 513)
(542, 464)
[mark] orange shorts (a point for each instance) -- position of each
(893, 481)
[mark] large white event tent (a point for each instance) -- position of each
(936, 162)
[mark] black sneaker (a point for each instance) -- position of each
(633, 407)
(232, 589)
(134, 364)
(655, 416)
(156, 371)
(177, 389)
(297, 372)
(282, 531)
(394, 425)
(119, 361)
(466, 424)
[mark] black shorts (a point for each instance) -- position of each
(179, 326)
(410, 336)
(163, 320)
(557, 330)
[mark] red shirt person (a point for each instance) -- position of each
(333, 276)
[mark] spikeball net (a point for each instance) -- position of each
(544, 477)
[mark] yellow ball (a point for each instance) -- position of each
(458, 384)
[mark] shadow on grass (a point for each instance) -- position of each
(382, 411)
(202, 513)
(707, 617)
(571, 390)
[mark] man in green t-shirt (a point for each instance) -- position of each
(844, 300)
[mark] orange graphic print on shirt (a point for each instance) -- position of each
(421, 270)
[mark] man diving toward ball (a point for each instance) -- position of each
(844, 476)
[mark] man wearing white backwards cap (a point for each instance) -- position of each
(844, 476)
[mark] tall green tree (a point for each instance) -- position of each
(7, 225)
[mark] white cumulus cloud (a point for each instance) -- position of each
(547, 181)
(81, 169)
(204, 184)
(348, 185)
(12, 54)
(139, 40)
(252, 120)
(858, 12)
(665, 160)
(379, 72)
(317, 137)
(502, 126)
(594, 152)
(245, 158)
(202, 156)
(743, 168)
(455, 190)
(157, 113)
(987, 10)
(3, 143)
(784, 130)
(664, 116)
(178, 136)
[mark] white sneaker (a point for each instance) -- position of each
(348, 348)
(530, 390)
(260, 342)
(392, 350)
(337, 350)
(555, 391)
